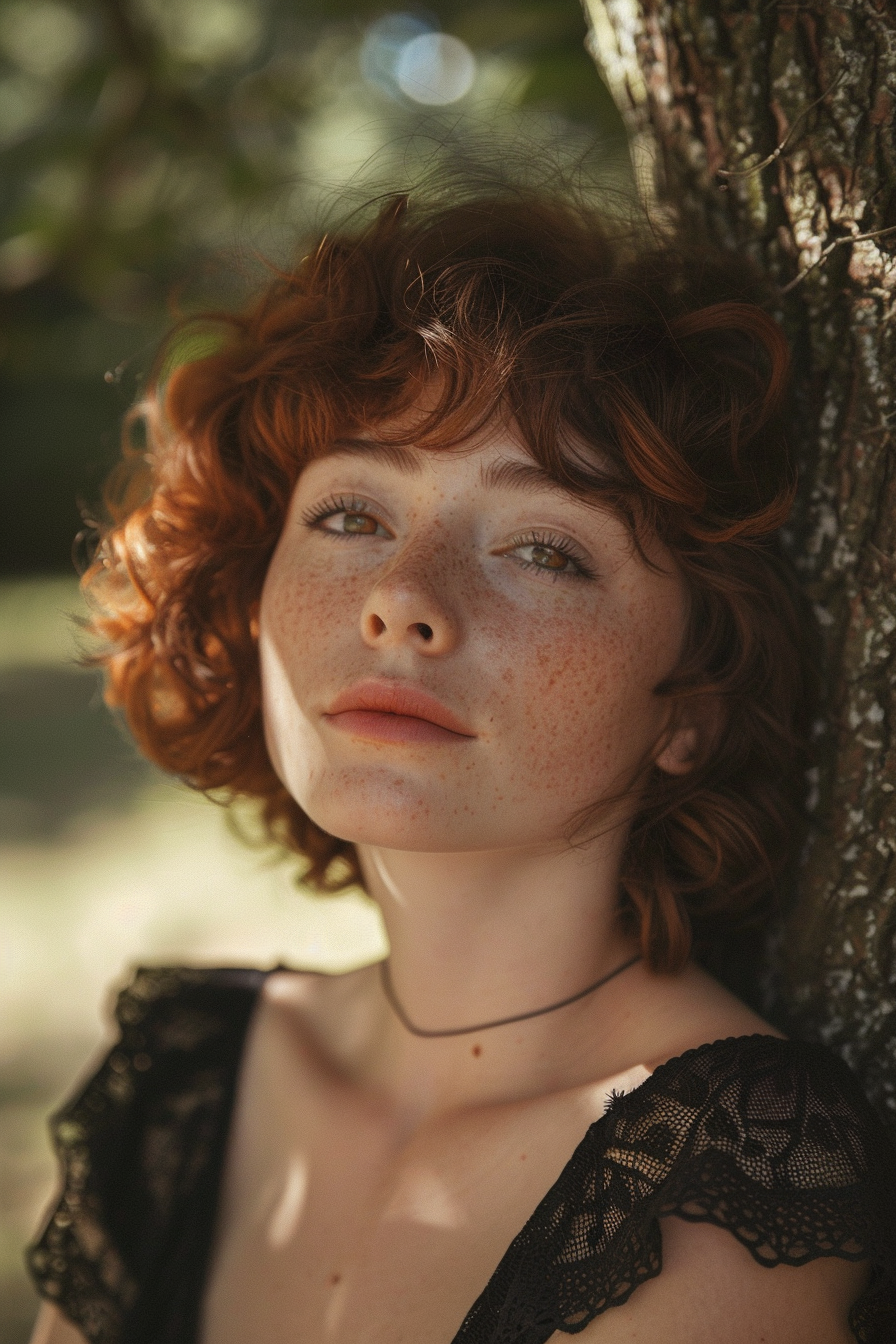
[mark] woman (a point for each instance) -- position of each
(456, 551)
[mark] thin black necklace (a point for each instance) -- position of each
(389, 991)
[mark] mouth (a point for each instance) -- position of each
(393, 711)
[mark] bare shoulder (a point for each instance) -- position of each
(51, 1327)
(712, 1289)
(677, 1013)
(312, 994)
(326, 1009)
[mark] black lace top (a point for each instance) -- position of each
(770, 1139)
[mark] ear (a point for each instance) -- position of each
(695, 732)
(680, 754)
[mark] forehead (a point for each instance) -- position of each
(434, 418)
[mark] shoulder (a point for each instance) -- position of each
(175, 1025)
(711, 1289)
(173, 1022)
(652, 1018)
(141, 1136)
(737, 1157)
(760, 1119)
(770, 1143)
(210, 997)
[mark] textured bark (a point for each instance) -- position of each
(709, 85)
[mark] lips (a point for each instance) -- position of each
(393, 711)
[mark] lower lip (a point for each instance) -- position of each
(376, 726)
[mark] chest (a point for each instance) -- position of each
(334, 1227)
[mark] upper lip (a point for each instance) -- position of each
(397, 697)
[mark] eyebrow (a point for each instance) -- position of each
(526, 476)
(402, 459)
(506, 472)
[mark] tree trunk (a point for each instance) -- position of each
(797, 102)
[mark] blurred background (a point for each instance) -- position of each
(151, 153)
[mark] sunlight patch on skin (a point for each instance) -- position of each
(288, 1210)
(278, 688)
(621, 1082)
(383, 874)
(288, 988)
(423, 1197)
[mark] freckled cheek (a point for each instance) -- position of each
(308, 612)
(576, 698)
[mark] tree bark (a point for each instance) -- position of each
(796, 101)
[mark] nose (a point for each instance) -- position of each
(406, 609)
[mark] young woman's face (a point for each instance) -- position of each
(456, 654)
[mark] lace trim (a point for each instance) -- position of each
(771, 1140)
(140, 1148)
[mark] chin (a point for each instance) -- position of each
(391, 821)
(391, 817)
(391, 812)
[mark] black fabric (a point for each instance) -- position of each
(141, 1149)
(771, 1140)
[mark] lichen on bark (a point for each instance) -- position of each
(710, 85)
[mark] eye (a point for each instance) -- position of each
(545, 557)
(554, 556)
(354, 522)
(345, 518)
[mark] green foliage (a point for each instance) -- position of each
(138, 137)
(151, 150)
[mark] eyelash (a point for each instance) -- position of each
(329, 508)
(337, 504)
(559, 544)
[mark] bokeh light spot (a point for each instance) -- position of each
(384, 42)
(435, 68)
(208, 32)
(42, 37)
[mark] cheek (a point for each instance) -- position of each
(306, 609)
(583, 695)
(296, 622)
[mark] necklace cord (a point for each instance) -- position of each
(395, 1005)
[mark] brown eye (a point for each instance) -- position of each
(556, 558)
(547, 557)
(359, 522)
(344, 516)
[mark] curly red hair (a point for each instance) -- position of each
(583, 334)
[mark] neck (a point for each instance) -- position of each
(479, 937)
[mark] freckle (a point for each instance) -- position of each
(335, 1278)
(522, 1157)
(477, 1051)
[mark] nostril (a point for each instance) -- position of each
(378, 624)
(425, 631)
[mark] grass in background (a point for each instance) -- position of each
(104, 863)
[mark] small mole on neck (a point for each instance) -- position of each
(477, 1051)
(335, 1278)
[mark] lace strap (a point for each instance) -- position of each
(139, 1148)
(771, 1140)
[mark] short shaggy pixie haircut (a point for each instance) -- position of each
(579, 333)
